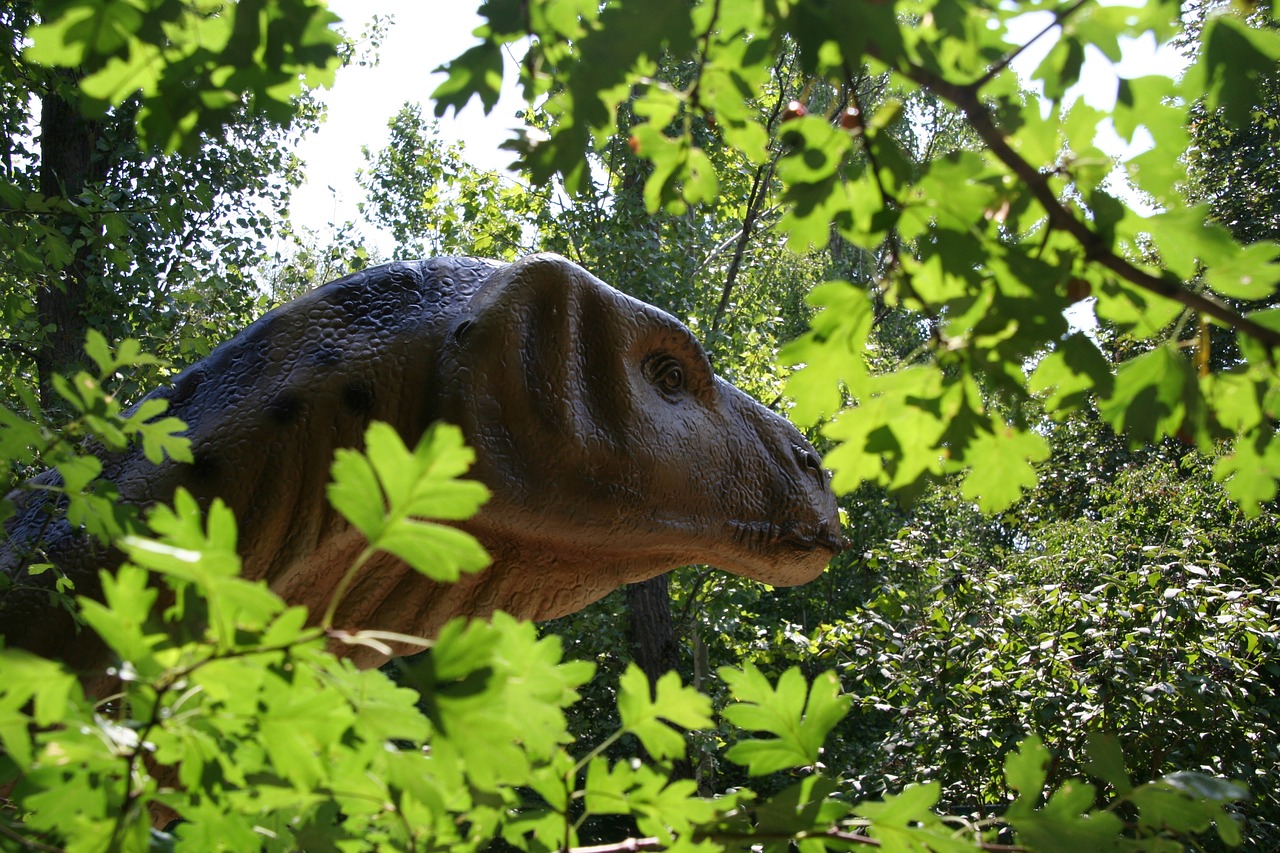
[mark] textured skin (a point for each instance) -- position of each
(601, 474)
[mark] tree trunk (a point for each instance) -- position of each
(69, 163)
(651, 630)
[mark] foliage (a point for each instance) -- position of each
(696, 157)
(990, 244)
(231, 712)
(435, 203)
(103, 232)
(99, 426)
(194, 69)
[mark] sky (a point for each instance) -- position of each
(428, 33)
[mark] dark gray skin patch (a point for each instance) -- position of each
(327, 356)
(204, 468)
(285, 408)
(357, 398)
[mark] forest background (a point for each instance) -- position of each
(1062, 533)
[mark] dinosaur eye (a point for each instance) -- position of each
(666, 373)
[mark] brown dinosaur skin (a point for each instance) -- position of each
(612, 450)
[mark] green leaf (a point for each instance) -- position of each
(1000, 465)
(798, 716)
(1069, 376)
(45, 683)
(833, 352)
(1249, 273)
(1233, 57)
(912, 805)
(495, 695)
(188, 548)
(477, 71)
(1062, 826)
(1106, 761)
(1251, 469)
(20, 438)
(1025, 771)
(605, 790)
(386, 489)
(1188, 802)
(442, 553)
(906, 822)
(355, 492)
(1154, 394)
(83, 30)
(674, 703)
(120, 622)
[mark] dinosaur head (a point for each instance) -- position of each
(608, 440)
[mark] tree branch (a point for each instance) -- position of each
(628, 845)
(966, 99)
(755, 208)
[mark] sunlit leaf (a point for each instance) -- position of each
(796, 715)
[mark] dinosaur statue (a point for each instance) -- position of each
(612, 450)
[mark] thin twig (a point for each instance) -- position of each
(1059, 18)
(632, 844)
(28, 843)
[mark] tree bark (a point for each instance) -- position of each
(69, 164)
(651, 629)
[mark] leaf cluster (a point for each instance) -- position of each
(193, 64)
(989, 244)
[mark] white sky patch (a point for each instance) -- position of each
(424, 36)
(1099, 78)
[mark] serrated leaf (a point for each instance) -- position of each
(477, 71)
(441, 553)
(354, 492)
(799, 717)
(605, 790)
(1250, 470)
(78, 472)
(833, 352)
(1025, 771)
(1153, 395)
(1233, 56)
(1000, 465)
(906, 822)
(1188, 802)
(83, 30)
(384, 491)
(45, 683)
(1106, 761)
(674, 703)
(914, 804)
(1075, 371)
(1249, 272)
(1064, 826)
(119, 623)
(95, 346)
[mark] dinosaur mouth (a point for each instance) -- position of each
(765, 536)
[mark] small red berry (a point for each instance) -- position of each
(794, 109)
(1078, 290)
